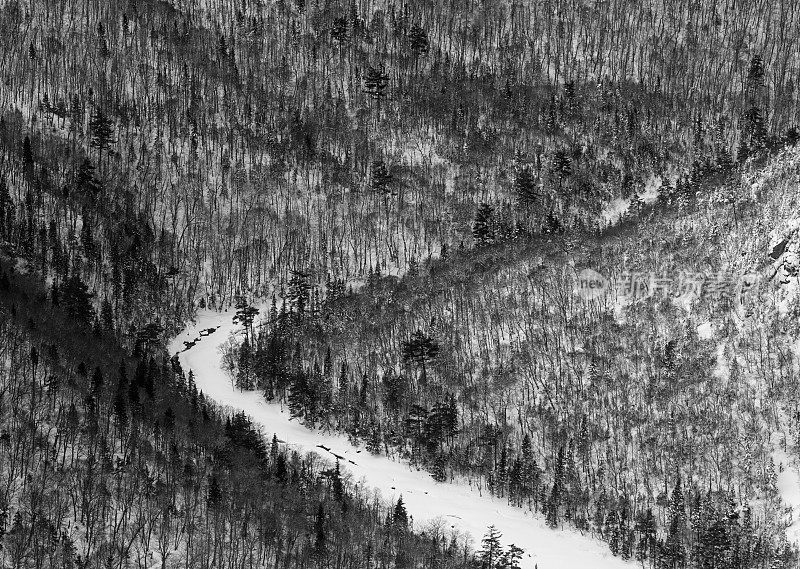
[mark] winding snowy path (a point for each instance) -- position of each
(456, 505)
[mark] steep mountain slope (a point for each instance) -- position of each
(614, 415)
(251, 140)
(157, 157)
(113, 461)
(452, 509)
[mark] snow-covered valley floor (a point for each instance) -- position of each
(456, 505)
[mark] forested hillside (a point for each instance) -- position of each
(414, 187)
(614, 416)
(109, 460)
(252, 140)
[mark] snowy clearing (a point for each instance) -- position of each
(425, 499)
(788, 482)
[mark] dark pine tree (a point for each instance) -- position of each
(525, 187)
(483, 227)
(420, 349)
(376, 81)
(321, 538)
(418, 41)
(75, 297)
(490, 550)
(400, 515)
(102, 129)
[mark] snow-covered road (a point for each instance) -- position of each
(457, 505)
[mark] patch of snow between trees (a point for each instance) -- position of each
(705, 331)
(615, 210)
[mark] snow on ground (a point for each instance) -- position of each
(787, 467)
(618, 207)
(788, 484)
(705, 331)
(615, 210)
(651, 189)
(426, 500)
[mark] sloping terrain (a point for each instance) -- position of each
(451, 509)
(613, 415)
(419, 182)
(114, 461)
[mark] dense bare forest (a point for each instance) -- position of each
(112, 461)
(393, 200)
